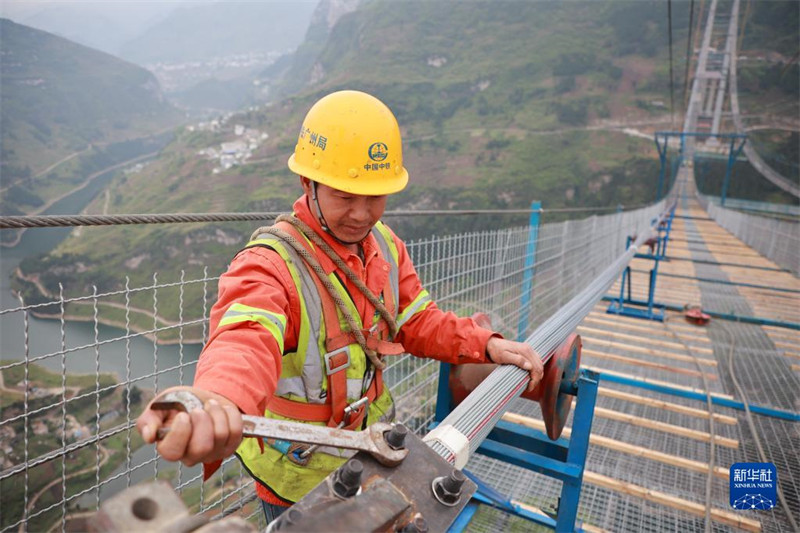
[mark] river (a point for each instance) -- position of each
(45, 337)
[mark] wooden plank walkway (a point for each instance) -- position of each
(630, 424)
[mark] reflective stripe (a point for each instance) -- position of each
(296, 387)
(354, 389)
(273, 322)
(311, 326)
(419, 304)
(388, 240)
(293, 385)
(389, 251)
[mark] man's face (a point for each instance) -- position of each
(349, 216)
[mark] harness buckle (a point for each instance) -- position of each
(297, 454)
(337, 360)
(353, 409)
(302, 452)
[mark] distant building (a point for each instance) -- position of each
(234, 147)
(227, 161)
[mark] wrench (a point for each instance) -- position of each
(370, 440)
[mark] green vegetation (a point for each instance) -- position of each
(499, 105)
(29, 193)
(59, 98)
(745, 182)
(44, 434)
(771, 26)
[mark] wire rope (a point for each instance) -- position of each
(711, 427)
(688, 53)
(671, 76)
(751, 424)
(51, 221)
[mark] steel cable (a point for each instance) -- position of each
(751, 423)
(55, 221)
(711, 427)
(477, 415)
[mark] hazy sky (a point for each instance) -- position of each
(141, 10)
(106, 25)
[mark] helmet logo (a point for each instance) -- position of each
(378, 151)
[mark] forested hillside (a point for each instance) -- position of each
(500, 104)
(60, 98)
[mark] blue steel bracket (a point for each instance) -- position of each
(562, 459)
(626, 305)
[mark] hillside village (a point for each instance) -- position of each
(233, 152)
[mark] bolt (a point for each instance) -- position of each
(447, 489)
(145, 508)
(454, 481)
(396, 436)
(417, 525)
(347, 480)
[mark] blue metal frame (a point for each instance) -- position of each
(662, 155)
(653, 311)
(444, 400)
(701, 396)
(733, 153)
(761, 321)
(733, 283)
(563, 459)
(530, 267)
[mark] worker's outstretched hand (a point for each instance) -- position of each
(202, 436)
(507, 352)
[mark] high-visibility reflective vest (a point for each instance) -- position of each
(328, 370)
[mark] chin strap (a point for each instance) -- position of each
(322, 222)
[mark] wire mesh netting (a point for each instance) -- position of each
(774, 238)
(78, 370)
(653, 452)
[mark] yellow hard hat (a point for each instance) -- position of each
(350, 141)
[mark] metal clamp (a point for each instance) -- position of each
(349, 410)
(327, 358)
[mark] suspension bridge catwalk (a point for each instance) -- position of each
(670, 417)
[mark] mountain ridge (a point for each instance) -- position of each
(530, 104)
(61, 98)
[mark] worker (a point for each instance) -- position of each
(312, 309)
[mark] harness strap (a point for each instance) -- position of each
(337, 360)
(382, 347)
(312, 262)
(310, 234)
(336, 364)
(323, 412)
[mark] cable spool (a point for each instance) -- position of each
(558, 386)
(554, 393)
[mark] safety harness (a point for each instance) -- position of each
(301, 238)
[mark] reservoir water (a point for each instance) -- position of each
(132, 360)
(44, 336)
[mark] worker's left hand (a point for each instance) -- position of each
(507, 352)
